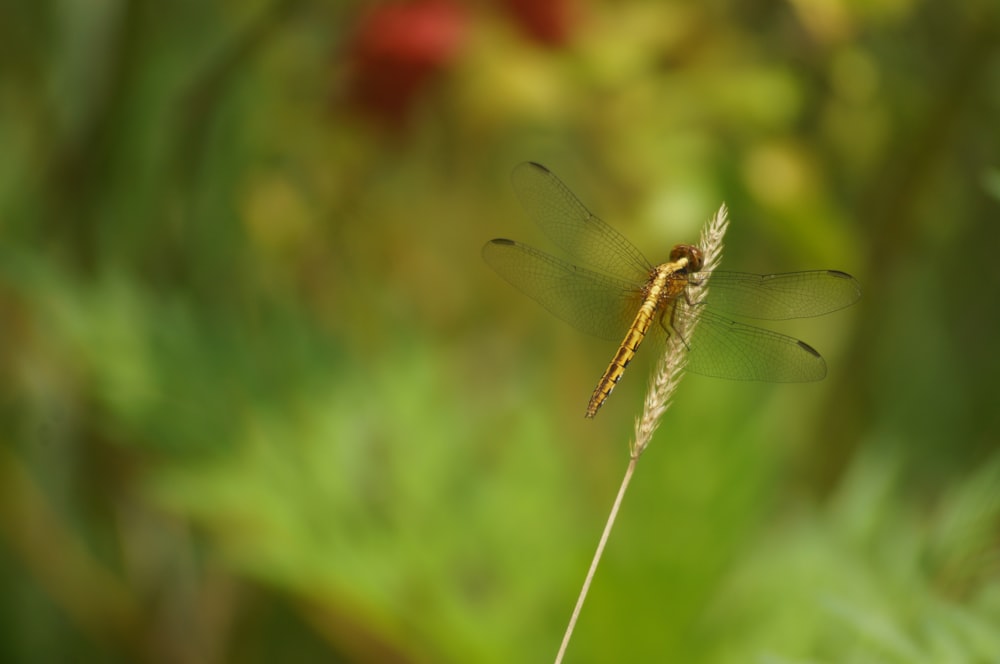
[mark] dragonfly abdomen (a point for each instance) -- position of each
(626, 351)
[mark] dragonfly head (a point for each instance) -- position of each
(693, 254)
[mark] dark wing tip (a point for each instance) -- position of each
(485, 251)
(527, 169)
(809, 349)
(821, 368)
(837, 274)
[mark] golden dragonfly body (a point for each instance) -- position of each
(666, 283)
(625, 292)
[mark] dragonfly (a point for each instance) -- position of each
(613, 292)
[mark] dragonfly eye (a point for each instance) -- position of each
(691, 253)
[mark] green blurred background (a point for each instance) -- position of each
(261, 400)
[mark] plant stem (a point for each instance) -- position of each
(597, 558)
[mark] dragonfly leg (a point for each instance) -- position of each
(669, 327)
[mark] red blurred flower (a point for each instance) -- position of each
(547, 21)
(397, 49)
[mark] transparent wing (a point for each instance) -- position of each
(726, 349)
(589, 301)
(571, 225)
(780, 296)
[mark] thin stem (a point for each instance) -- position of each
(597, 558)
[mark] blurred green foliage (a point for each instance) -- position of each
(261, 401)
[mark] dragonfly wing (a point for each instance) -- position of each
(727, 349)
(780, 296)
(571, 225)
(589, 301)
